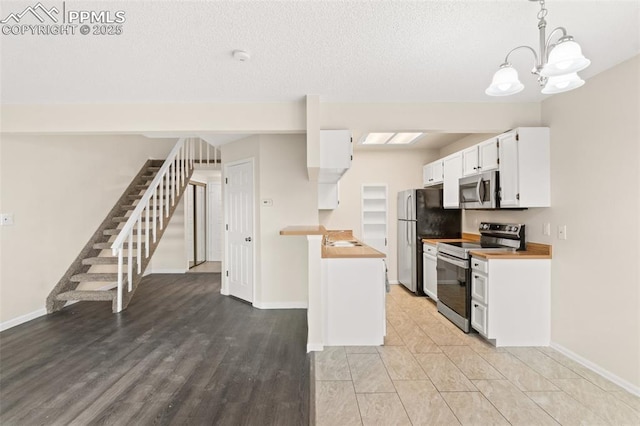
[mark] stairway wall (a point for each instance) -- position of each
(171, 254)
(49, 183)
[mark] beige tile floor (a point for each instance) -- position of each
(430, 373)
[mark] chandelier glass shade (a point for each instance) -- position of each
(556, 64)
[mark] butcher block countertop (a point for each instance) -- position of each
(304, 230)
(329, 252)
(533, 251)
(466, 238)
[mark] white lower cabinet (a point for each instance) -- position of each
(479, 317)
(429, 271)
(353, 295)
(510, 300)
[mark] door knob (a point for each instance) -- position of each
(248, 239)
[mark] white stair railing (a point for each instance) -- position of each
(159, 197)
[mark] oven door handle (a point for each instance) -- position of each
(453, 260)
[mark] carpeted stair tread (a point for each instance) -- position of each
(111, 260)
(145, 186)
(117, 231)
(139, 196)
(133, 206)
(122, 219)
(78, 278)
(107, 246)
(88, 295)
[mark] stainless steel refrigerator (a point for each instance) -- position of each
(421, 215)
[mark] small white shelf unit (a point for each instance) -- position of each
(374, 216)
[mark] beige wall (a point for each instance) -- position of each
(155, 118)
(438, 117)
(281, 176)
(283, 179)
(60, 188)
(171, 254)
(595, 184)
(399, 170)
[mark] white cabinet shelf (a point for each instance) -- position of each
(374, 216)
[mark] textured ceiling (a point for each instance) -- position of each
(393, 51)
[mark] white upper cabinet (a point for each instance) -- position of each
(336, 154)
(488, 155)
(480, 158)
(525, 168)
(432, 173)
(452, 170)
(470, 161)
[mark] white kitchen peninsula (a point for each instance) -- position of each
(346, 289)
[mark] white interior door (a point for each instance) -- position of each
(214, 222)
(239, 247)
(188, 206)
(200, 230)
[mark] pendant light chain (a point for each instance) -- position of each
(543, 10)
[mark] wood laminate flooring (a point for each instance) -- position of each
(180, 354)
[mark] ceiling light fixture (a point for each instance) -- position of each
(390, 138)
(556, 64)
(404, 138)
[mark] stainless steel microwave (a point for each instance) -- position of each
(480, 191)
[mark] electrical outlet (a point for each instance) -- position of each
(546, 229)
(562, 232)
(6, 219)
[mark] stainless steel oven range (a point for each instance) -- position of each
(454, 268)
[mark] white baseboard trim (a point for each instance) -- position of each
(22, 319)
(281, 305)
(43, 311)
(314, 347)
(168, 271)
(597, 369)
(394, 282)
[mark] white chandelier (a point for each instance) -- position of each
(556, 65)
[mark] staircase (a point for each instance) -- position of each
(121, 248)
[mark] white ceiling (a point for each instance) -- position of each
(424, 51)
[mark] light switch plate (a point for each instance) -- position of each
(6, 219)
(546, 229)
